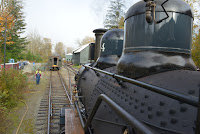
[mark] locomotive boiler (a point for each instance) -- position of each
(144, 81)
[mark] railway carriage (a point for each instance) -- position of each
(54, 62)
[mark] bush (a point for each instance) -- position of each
(3, 120)
(12, 85)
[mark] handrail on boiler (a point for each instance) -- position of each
(133, 122)
(174, 95)
(193, 101)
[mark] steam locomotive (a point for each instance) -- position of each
(143, 79)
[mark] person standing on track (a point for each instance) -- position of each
(37, 76)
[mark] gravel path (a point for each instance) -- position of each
(32, 97)
(29, 68)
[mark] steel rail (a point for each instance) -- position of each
(132, 121)
(171, 94)
(50, 104)
(49, 111)
(65, 90)
(73, 70)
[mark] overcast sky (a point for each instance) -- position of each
(65, 20)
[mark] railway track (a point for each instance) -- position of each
(71, 69)
(48, 119)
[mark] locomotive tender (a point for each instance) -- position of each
(144, 80)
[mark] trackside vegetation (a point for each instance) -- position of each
(12, 85)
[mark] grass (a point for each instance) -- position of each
(11, 116)
(28, 126)
(14, 118)
(78, 67)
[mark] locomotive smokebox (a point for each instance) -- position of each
(98, 34)
(111, 48)
(158, 36)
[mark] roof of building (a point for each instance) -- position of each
(78, 50)
(9, 63)
(69, 54)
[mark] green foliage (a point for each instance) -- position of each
(114, 16)
(196, 49)
(14, 50)
(2, 119)
(77, 66)
(195, 5)
(33, 57)
(12, 85)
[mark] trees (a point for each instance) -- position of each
(115, 15)
(195, 6)
(69, 49)
(47, 47)
(85, 40)
(6, 24)
(196, 49)
(12, 14)
(196, 31)
(59, 49)
(38, 48)
(19, 44)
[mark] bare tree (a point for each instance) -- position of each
(69, 49)
(85, 40)
(38, 45)
(60, 49)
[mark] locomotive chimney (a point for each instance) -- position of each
(162, 44)
(91, 52)
(98, 34)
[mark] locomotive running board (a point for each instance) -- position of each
(72, 122)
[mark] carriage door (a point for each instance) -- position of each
(55, 61)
